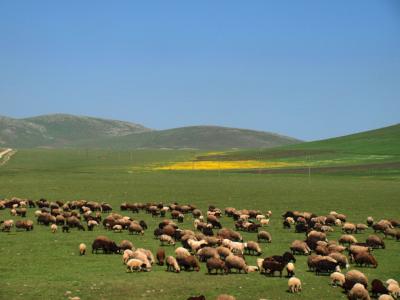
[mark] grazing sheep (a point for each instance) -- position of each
(361, 228)
(127, 255)
(392, 232)
(235, 262)
(148, 254)
(189, 263)
(166, 239)
(349, 228)
(206, 253)
(264, 236)
(223, 252)
(252, 269)
(375, 241)
(7, 225)
(347, 239)
(390, 281)
(53, 228)
(172, 264)
(196, 245)
(135, 228)
(365, 258)
(264, 222)
(135, 264)
(125, 244)
(216, 264)
(24, 224)
(253, 248)
(105, 244)
(358, 292)
(377, 288)
(290, 269)
(300, 247)
(337, 278)
(260, 265)
(117, 228)
(353, 277)
(181, 252)
(82, 249)
(294, 285)
(340, 258)
(143, 257)
(160, 256)
(394, 290)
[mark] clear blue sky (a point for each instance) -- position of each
(308, 69)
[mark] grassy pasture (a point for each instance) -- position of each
(41, 265)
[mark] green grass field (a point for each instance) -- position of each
(42, 265)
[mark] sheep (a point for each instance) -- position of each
(294, 285)
(253, 248)
(390, 281)
(365, 258)
(347, 239)
(252, 269)
(128, 254)
(264, 222)
(235, 262)
(195, 245)
(143, 257)
(148, 253)
(377, 288)
(260, 265)
(53, 228)
(237, 247)
(337, 278)
(7, 225)
(353, 277)
(361, 227)
(375, 241)
(82, 249)
(349, 228)
(24, 224)
(172, 264)
(336, 248)
(215, 263)
(135, 228)
(166, 239)
(300, 247)
(370, 221)
(290, 269)
(358, 292)
(223, 252)
(264, 236)
(160, 256)
(340, 258)
(181, 252)
(125, 244)
(117, 228)
(135, 264)
(206, 253)
(392, 232)
(394, 290)
(188, 263)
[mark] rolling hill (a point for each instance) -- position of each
(63, 131)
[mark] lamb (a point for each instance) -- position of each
(253, 248)
(365, 258)
(53, 228)
(82, 249)
(353, 277)
(290, 269)
(217, 264)
(181, 252)
(264, 236)
(235, 262)
(300, 247)
(160, 256)
(294, 285)
(135, 264)
(337, 278)
(172, 264)
(377, 288)
(358, 292)
(166, 239)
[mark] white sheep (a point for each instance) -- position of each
(260, 264)
(294, 285)
(134, 264)
(82, 249)
(181, 252)
(53, 228)
(337, 278)
(290, 269)
(117, 228)
(172, 264)
(264, 222)
(164, 238)
(128, 254)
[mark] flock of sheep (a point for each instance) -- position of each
(223, 249)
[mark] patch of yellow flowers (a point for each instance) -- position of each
(222, 165)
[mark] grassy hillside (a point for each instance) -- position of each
(198, 137)
(42, 265)
(60, 130)
(380, 149)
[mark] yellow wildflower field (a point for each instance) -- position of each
(222, 165)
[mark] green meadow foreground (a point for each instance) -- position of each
(42, 265)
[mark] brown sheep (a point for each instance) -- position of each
(347, 239)
(125, 244)
(300, 247)
(375, 241)
(160, 256)
(253, 248)
(235, 262)
(264, 236)
(353, 277)
(172, 264)
(365, 258)
(216, 264)
(206, 253)
(358, 292)
(135, 228)
(189, 263)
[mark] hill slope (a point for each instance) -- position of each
(198, 137)
(60, 130)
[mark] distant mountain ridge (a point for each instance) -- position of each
(63, 131)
